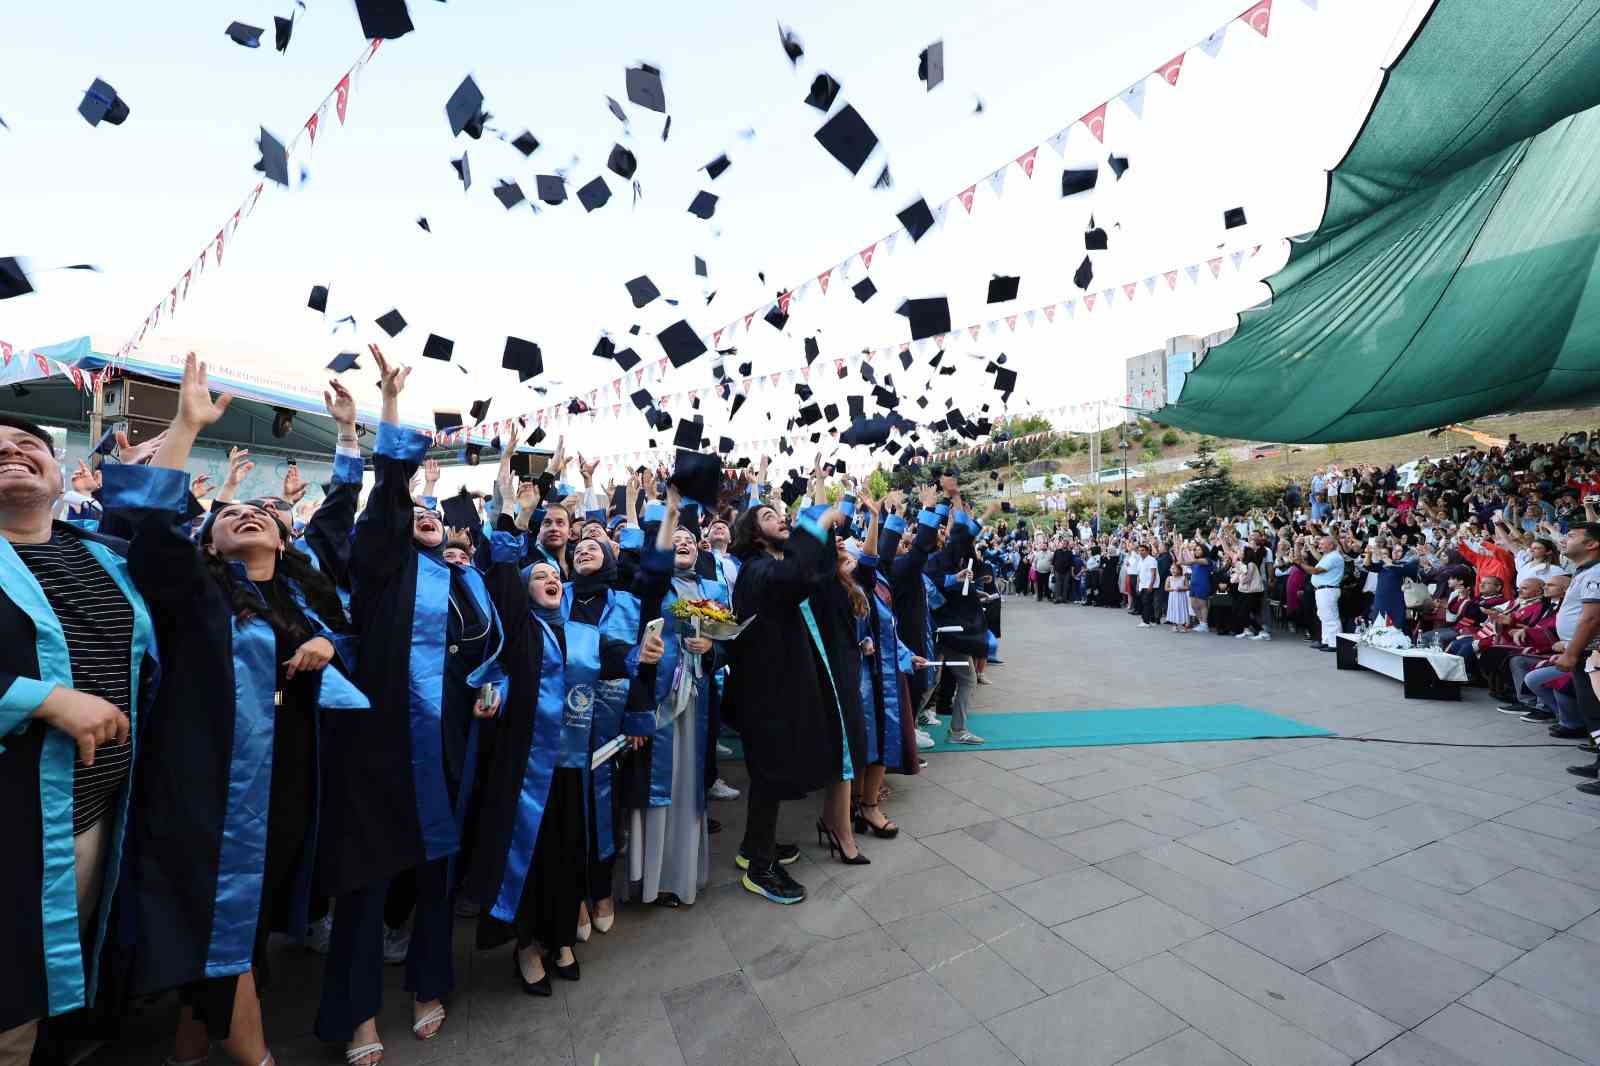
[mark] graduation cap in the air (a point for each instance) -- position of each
(1005, 382)
(864, 289)
(422, 220)
(698, 476)
(905, 360)
(603, 348)
(645, 89)
(885, 397)
(509, 193)
(724, 446)
(642, 399)
(344, 361)
(526, 143)
(102, 104)
(1003, 288)
(938, 357)
(1094, 238)
(790, 43)
(704, 204)
(552, 189)
(681, 343)
(659, 420)
(459, 510)
(392, 322)
(616, 109)
(282, 29)
(776, 318)
(480, 409)
(622, 162)
(464, 109)
(738, 402)
(792, 489)
(812, 350)
(687, 435)
(524, 357)
(1118, 165)
(594, 195)
(385, 19)
(463, 171)
(928, 317)
(1075, 181)
(917, 219)
(802, 390)
(872, 432)
(856, 405)
(274, 158)
(808, 414)
(830, 411)
(930, 65)
(1084, 275)
(642, 290)
(883, 181)
(244, 34)
(438, 347)
(699, 267)
(446, 420)
(848, 138)
(626, 358)
(1233, 218)
(715, 168)
(319, 298)
(824, 90)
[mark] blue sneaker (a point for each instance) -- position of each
(774, 883)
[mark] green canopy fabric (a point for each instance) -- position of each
(1455, 272)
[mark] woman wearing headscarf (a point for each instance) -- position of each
(663, 789)
(226, 799)
(398, 780)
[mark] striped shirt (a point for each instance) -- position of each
(97, 622)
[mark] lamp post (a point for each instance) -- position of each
(1123, 447)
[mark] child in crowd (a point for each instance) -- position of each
(1178, 600)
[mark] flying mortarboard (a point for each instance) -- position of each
(830, 411)
(848, 138)
(626, 358)
(459, 510)
(883, 181)
(463, 171)
(776, 318)
(928, 317)
(385, 19)
(715, 168)
(745, 368)
(810, 413)
(802, 390)
(319, 298)
(824, 90)
(622, 162)
(1118, 164)
(792, 489)
(699, 267)
(344, 361)
(282, 29)
(1094, 239)
(603, 348)
(930, 65)
(812, 351)
(791, 44)
(274, 158)
(645, 89)
(464, 109)
(509, 193)
(872, 432)
(687, 435)
(438, 347)
(1084, 275)
(392, 322)
(101, 103)
(724, 445)
(642, 399)
(856, 405)
(595, 195)
(443, 420)
(738, 402)
(1005, 381)
(864, 289)
(1233, 218)
(704, 204)
(681, 343)
(642, 290)
(526, 143)
(480, 408)
(616, 109)
(905, 360)
(698, 476)
(524, 357)
(1075, 181)
(245, 34)
(552, 189)
(917, 219)
(1003, 288)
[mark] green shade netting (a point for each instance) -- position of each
(1454, 274)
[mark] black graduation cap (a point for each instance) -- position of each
(1118, 164)
(884, 181)
(824, 90)
(459, 510)
(704, 205)
(282, 28)
(872, 432)
(385, 19)
(443, 420)
(856, 405)
(745, 368)
(905, 360)
(666, 128)
(938, 357)
(633, 330)
(392, 322)
(917, 219)
(776, 318)
(464, 109)
(463, 171)
(480, 408)
(526, 143)
(422, 220)
(687, 435)
(438, 347)
(893, 447)
(642, 290)
(715, 168)
(595, 195)
(699, 267)
(802, 390)
(791, 44)
(681, 343)
(1005, 381)
(645, 89)
(1094, 239)
(319, 298)
(810, 413)
(101, 103)
(848, 138)
(1084, 274)
(245, 34)
(830, 411)
(885, 397)
(616, 109)
(552, 189)
(738, 402)
(922, 401)
(724, 445)
(812, 351)
(661, 421)
(603, 348)
(698, 476)
(1003, 288)
(864, 289)
(274, 158)
(509, 193)
(344, 361)
(1075, 181)
(524, 357)
(1233, 218)
(930, 65)
(792, 489)
(642, 399)
(622, 162)
(928, 316)
(626, 358)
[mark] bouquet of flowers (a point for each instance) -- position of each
(711, 619)
(1386, 636)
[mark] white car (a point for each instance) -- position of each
(1111, 474)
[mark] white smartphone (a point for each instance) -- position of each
(654, 627)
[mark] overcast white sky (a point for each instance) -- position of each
(1255, 127)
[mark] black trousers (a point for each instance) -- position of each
(761, 827)
(1588, 703)
(1041, 585)
(1147, 605)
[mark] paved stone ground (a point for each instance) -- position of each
(1280, 902)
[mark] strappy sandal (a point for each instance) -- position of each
(887, 831)
(437, 1014)
(354, 1055)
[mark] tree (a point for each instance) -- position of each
(1211, 494)
(1027, 451)
(1170, 437)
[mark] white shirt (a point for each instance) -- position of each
(1147, 572)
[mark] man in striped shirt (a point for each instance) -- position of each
(74, 639)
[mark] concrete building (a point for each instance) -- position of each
(1156, 377)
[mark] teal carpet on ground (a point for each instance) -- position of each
(1130, 725)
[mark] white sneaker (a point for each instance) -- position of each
(966, 736)
(1246, 635)
(396, 942)
(924, 741)
(724, 751)
(318, 933)
(929, 717)
(1142, 625)
(1263, 635)
(1202, 628)
(723, 791)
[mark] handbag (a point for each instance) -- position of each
(1416, 594)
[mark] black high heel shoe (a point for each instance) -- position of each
(826, 836)
(887, 831)
(541, 987)
(566, 973)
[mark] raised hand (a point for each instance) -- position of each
(391, 379)
(85, 480)
(340, 404)
(196, 408)
(528, 497)
(294, 486)
(200, 487)
(587, 469)
(239, 466)
(134, 454)
(927, 495)
(430, 476)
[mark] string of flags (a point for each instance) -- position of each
(83, 380)
(274, 164)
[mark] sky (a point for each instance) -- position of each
(1255, 127)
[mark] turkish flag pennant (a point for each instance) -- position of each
(1170, 70)
(616, 410)
(966, 196)
(747, 319)
(311, 127)
(1011, 323)
(716, 338)
(341, 97)
(1050, 313)
(866, 254)
(939, 340)
(174, 308)
(1025, 160)
(203, 253)
(186, 275)
(774, 379)
(219, 247)
(638, 376)
(1258, 18)
(256, 195)
(1216, 266)
(783, 302)
(805, 372)
(44, 364)
(1172, 279)
(974, 331)
(1095, 122)
(1088, 301)
(5, 350)
(1128, 290)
